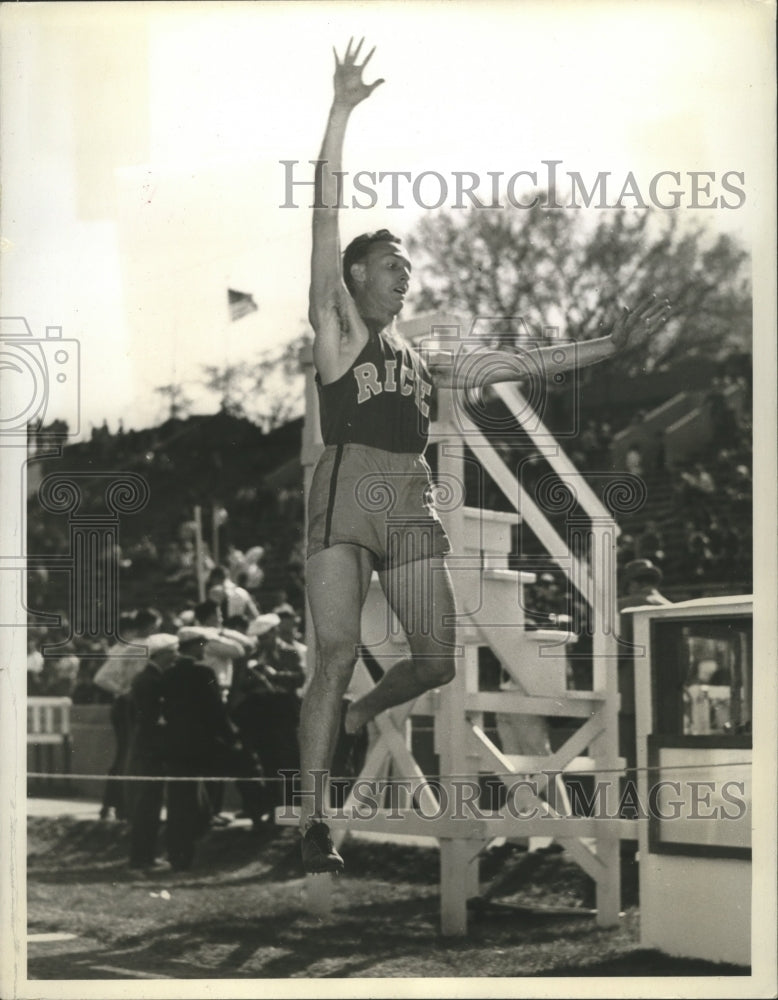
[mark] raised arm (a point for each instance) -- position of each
(331, 310)
(488, 367)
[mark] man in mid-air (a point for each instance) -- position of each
(375, 396)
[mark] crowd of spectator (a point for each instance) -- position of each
(713, 501)
(67, 668)
(219, 689)
(212, 690)
(647, 543)
(704, 535)
(546, 603)
(592, 449)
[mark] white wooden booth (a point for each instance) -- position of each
(693, 700)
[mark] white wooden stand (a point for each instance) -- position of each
(490, 613)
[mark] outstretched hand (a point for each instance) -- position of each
(350, 88)
(648, 316)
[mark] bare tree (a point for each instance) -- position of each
(267, 389)
(277, 391)
(230, 384)
(179, 404)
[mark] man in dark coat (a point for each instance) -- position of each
(147, 753)
(267, 709)
(201, 741)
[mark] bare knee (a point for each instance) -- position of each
(336, 659)
(435, 671)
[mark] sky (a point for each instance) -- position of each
(143, 147)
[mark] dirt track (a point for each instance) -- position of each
(242, 913)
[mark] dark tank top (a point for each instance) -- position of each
(382, 401)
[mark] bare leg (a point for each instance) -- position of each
(421, 595)
(337, 580)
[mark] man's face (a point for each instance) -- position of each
(287, 627)
(268, 639)
(383, 278)
(193, 649)
(165, 658)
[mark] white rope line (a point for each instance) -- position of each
(388, 780)
(154, 777)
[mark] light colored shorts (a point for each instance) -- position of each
(380, 500)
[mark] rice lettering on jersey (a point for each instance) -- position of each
(382, 401)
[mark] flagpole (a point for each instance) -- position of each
(215, 533)
(198, 516)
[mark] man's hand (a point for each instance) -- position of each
(350, 89)
(648, 316)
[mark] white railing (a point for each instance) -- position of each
(48, 720)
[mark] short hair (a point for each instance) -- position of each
(218, 574)
(147, 618)
(204, 610)
(239, 623)
(359, 248)
(195, 641)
